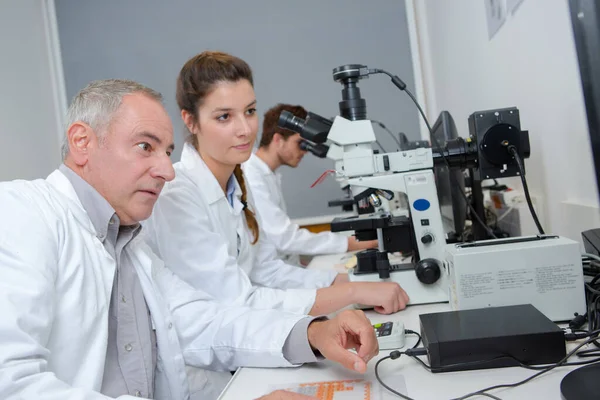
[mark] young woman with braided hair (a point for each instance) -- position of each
(204, 224)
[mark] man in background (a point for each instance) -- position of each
(278, 147)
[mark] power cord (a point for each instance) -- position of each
(393, 355)
(592, 294)
(416, 352)
(402, 86)
(380, 146)
(385, 128)
(409, 332)
(541, 367)
(482, 392)
(513, 151)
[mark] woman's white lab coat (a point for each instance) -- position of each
(55, 288)
(286, 237)
(206, 241)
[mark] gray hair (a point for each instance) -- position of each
(98, 101)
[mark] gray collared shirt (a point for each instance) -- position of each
(131, 351)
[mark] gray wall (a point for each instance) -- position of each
(292, 47)
(29, 136)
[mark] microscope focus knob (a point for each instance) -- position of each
(428, 270)
(427, 238)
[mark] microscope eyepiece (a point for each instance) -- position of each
(304, 145)
(314, 128)
(319, 150)
(289, 121)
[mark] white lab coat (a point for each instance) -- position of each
(286, 238)
(206, 241)
(55, 289)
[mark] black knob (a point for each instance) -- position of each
(428, 270)
(426, 239)
(383, 264)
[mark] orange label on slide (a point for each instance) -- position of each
(359, 389)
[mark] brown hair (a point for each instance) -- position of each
(196, 80)
(271, 119)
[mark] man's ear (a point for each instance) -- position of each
(80, 136)
(278, 139)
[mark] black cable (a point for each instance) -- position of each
(381, 125)
(591, 289)
(578, 321)
(491, 396)
(513, 151)
(593, 315)
(381, 382)
(591, 267)
(543, 368)
(580, 334)
(592, 294)
(588, 353)
(408, 331)
(402, 86)
(540, 367)
(511, 385)
(380, 146)
(452, 177)
(396, 354)
(579, 330)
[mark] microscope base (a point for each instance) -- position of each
(418, 292)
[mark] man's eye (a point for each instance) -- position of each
(145, 146)
(223, 117)
(169, 153)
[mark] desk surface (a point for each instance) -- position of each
(250, 383)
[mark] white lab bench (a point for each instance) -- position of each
(250, 383)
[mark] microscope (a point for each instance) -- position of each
(348, 140)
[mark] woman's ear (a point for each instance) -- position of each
(188, 120)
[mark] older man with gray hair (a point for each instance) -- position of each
(89, 312)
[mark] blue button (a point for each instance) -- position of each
(421, 204)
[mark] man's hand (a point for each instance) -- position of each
(348, 330)
(385, 297)
(283, 395)
(354, 244)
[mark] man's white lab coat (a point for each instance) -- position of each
(55, 289)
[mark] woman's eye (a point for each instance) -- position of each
(223, 117)
(251, 111)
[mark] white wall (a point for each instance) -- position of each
(531, 64)
(292, 47)
(29, 95)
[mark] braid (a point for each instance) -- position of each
(250, 217)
